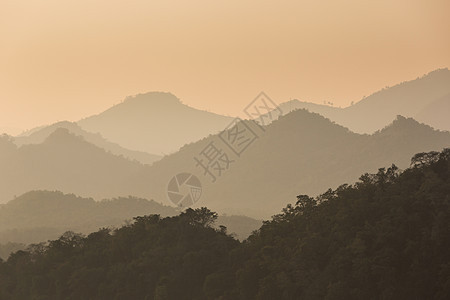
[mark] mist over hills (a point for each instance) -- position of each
(302, 152)
(62, 162)
(38, 216)
(384, 237)
(41, 215)
(39, 135)
(154, 122)
(437, 113)
(425, 99)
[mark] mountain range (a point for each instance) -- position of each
(39, 135)
(63, 161)
(157, 123)
(38, 216)
(154, 122)
(301, 152)
(426, 99)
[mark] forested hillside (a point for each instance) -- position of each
(385, 237)
(300, 153)
(44, 215)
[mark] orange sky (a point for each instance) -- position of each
(66, 59)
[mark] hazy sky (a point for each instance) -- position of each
(67, 59)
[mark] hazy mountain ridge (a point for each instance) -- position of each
(39, 135)
(49, 213)
(62, 162)
(299, 145)
(301, 152)
(437, 113)
(154, 122)
(38, 216)
(410, 99)
(384, 237)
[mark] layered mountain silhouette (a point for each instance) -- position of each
(302, 152)
(154, 122)
(64, 162)
(425, 99)
(39, 135)
(437, 113)
(42, 215)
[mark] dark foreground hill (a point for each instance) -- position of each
(385, 237)
(42, 215)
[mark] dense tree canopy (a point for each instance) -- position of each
(385, 237)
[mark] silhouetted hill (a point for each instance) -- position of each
(38, 216)
(39, 135)
(62, 162)
(154, 122)
(8, 248)
(302, 152)
(384, 237)
(330, 112)
(41, 215)
(419, 98)
(437, 113)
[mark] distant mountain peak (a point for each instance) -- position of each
(154, 122)
(403, 124)
(304, 118)
(65, 124)
(401, 121)
(424, 98)
(163, 98)
(62, 134)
